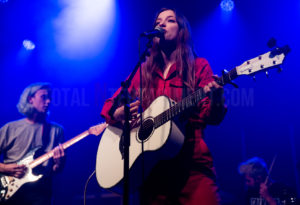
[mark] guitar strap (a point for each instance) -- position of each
(42, 150)
(46, 135)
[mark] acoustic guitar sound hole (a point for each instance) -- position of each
(145, 130)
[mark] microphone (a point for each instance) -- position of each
(157, 32)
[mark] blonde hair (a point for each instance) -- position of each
(23, 106)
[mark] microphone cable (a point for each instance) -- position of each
(85, 187)
(86, 184)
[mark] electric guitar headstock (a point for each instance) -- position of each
(269, 60)
(97, 129)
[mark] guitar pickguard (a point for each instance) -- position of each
(9, 185)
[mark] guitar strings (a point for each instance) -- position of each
(187, 102)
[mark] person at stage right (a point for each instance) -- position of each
(260, 191)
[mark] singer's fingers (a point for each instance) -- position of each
(135, 103)
(215, 84)
(207, 89)
(211, 86)
(134, 106)
(134, 114)
(134, 123)
(134, 109)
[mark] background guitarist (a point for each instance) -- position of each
(19, 137)
(174, 70)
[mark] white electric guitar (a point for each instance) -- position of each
(162, 137)
(9, 185)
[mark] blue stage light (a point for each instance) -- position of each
(28, 45)
(227, 5)
(3, 1)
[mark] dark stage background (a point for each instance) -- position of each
(86, 48)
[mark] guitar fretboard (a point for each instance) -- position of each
(187, 102)
(191, 100)
(227, 77)
(65, 145)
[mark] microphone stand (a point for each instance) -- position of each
(124, 98)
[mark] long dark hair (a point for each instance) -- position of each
(184, 57)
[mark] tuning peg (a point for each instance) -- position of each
(286, 49)
(267, 73)
(272, 42)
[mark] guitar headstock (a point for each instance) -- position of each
(97, 129)
(269, 60)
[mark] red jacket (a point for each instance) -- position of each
(172, 87)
